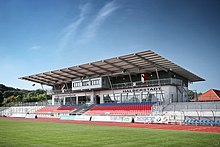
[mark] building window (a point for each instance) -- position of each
(95, 82)
(107, 99)
(85, 83)
(77, 84)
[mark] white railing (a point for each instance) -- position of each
(148, 83)
(168, 81)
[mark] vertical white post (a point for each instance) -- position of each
(64, 101)
(77, 100)
(132, 85)
(158, 78)
(101, 98)
(52, 100)
(111, 87)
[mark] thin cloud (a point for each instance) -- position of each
(34, 48)
(72, 27)
(102, 15)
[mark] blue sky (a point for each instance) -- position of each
(41, 35)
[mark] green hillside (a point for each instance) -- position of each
(13, 95)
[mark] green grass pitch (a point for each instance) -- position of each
(46, 134)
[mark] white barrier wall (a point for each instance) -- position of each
(143, 119)
(18, 115)
(98, 118)
(9, 111)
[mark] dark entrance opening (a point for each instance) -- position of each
(97, 99)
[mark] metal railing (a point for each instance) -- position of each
(17, 104)
(137, 84)
(148, 83)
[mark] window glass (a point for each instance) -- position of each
(85, 83)
(95, 82)
(77, 84)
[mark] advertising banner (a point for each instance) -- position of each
(116, 118)
(67, 117)
(161, 119)
(75, 117)
(18, 115)
(112, 118)
(152, 119)
(31, 116)
(144, 119)
(100, 118)
(127, 119)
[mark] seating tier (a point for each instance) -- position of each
(121, 109)
(57, 109)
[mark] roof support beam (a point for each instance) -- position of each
(47, 78)
(152, 63)
(75, 75)
(89, 70)
(82, 74)
(108, 71)
(60, 75)
(44, 79)
(112, 64)
(36, 81)
(52, 77)
(128, 62)
(40, 79)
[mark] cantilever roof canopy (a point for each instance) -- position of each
(146, 61)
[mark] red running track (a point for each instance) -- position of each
(214, 129)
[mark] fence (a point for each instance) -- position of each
(179, 112)
(43, 103)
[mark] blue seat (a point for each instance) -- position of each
(199, 122)
(202, 122)
(206, 122)
(211, 122)
(217, 123)
(186, 121)
(195, 122)
(191, 121)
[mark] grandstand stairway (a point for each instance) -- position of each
(82, 109)
(157, 109)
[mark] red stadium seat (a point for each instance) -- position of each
(121, 109)
(57, 109)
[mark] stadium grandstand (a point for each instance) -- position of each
(141, 86)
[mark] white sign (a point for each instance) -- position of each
(142, 90)
(75, 117)
(112, 118)
(100, 118)
(152, 119)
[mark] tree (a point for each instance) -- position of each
(41, 97)
(7, 94)
(20, 98)
(10, 94)
(1, 98)
(193, 95)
